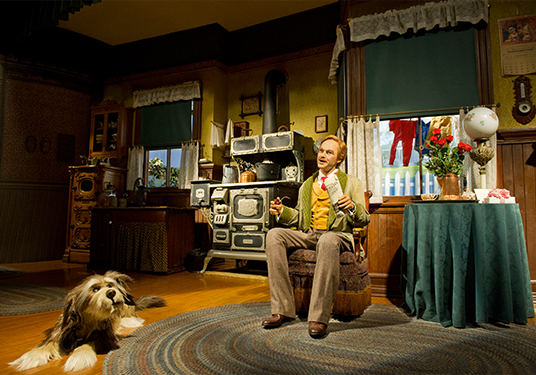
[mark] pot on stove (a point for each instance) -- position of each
(230, 174)
(267, 170)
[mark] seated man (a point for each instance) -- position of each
(319, 230)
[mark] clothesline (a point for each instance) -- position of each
(423, 111)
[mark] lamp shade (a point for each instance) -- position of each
(481, 123)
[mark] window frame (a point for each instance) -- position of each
(196, 135)
(355, 90)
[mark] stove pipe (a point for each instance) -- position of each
(273, 79)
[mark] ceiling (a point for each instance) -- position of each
(122, 21)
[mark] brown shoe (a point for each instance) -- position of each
(317, 329)
(275, 321)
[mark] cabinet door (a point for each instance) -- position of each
(110, 131)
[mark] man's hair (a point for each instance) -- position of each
(342, 147)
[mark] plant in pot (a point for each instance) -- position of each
(446, 163)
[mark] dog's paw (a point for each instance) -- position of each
(84, 356)
(132, 322)
(36, 357)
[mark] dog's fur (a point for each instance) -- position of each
(93, 313)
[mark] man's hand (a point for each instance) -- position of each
(345, 203)
(276, 207)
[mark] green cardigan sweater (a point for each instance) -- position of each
(300, 216)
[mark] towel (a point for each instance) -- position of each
(228, 133)
(217, 137)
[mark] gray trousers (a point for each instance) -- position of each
(280, 243)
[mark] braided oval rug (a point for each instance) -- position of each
(230, 340)
(22, 298)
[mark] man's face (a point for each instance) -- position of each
(327, 158)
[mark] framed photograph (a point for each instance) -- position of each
(321, 124)
(251, 105)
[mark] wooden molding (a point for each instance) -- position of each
(516, 136)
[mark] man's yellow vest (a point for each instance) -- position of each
(320, 205)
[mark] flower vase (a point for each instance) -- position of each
(450, 187)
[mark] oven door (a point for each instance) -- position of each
(250, 206)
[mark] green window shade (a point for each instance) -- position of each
(429, 71)
(166, 124)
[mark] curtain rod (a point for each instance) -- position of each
(424, 110)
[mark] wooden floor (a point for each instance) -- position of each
(183, 292)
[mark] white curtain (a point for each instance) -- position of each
(184, 91)
(364, 154)
(339, 47)
(135, 165)
(470, 167)
(189, 165)
(427, 16)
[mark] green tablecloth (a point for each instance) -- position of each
(465, 262)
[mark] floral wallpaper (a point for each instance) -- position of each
(503, 86)
(34, 114)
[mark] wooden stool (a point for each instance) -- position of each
(354, 294)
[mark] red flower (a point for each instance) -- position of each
(468, 148)
(450, 138)
(433, 139)
(436, 131)
(461, 146)
(441, 141)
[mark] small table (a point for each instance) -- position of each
(465, 262)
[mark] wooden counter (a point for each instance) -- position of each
(141, 239)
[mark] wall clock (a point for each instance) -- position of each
(251, 105)
(523, 111)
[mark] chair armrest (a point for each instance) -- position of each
(359, 239)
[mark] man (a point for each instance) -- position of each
(319, 230)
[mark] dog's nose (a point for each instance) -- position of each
(110, 294)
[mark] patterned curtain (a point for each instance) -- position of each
(364, 158)
(135, 165)
(189, 165)
(427, 16)
(184, 91)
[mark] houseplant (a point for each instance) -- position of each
(446, 163)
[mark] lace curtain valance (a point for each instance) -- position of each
(184, 91)
(427, 16)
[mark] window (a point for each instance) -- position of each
(164, 127)
(403, 170)
(414, 74)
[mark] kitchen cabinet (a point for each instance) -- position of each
(87, 182)
(111, 130)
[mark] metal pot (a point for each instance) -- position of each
(267, 171)
(230, 174)
(247, 176)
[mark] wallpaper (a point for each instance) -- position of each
(34, 115)
(503, 86)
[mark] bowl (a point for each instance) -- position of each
(429, 197)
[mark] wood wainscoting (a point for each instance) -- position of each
(385, 246)
(516, 171)
(33, 221)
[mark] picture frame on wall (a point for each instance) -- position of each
(251, 105)
(321, 124)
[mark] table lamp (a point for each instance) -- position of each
(480, 124)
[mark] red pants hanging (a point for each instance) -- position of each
(404, 131)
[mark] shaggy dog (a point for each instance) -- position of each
(93, 313)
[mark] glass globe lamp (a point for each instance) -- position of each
(480, 124)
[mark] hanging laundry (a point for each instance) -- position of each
(441, 122)
(425, 127)
(404, 132)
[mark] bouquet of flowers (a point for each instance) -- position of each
(443, 159)
(499, 193)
